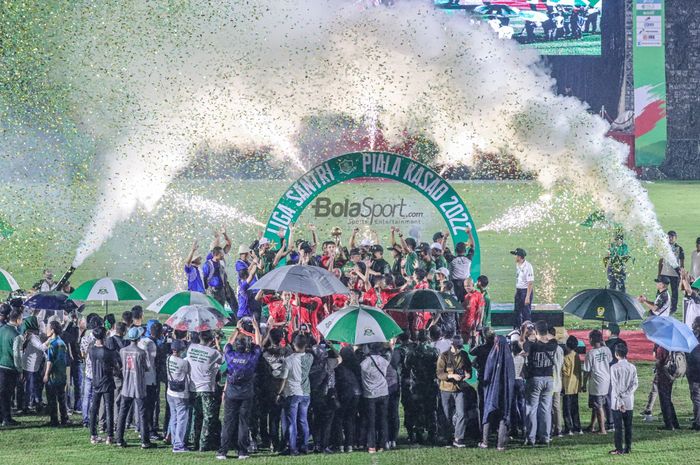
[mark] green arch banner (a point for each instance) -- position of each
(376, 165)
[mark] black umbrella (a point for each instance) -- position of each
(423, 300)
(604, 305)
(52, 300)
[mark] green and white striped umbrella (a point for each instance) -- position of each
(7, 282)
(359, 325)
(173, 301)
(106, 289)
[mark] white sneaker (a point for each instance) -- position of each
(393, 444)
(221, 457)
(243, 457)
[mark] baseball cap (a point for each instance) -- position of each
(355, 251)
(365, 243)
(377, 248)
(519, 252)
(444, 271)
(243, 249)
(263, 241)
(134, 333)
(457, 341)
(663, 280)
(436, 245)
(437, 236)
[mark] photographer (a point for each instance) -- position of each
(241, 354)
(453, 369)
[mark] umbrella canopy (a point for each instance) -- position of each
(310, 280)
(696, 284)
(359, 325)
(424, 300)
(109, 289)
(670, 334)
(196, 318)
(604, 305)
(173, 301)
(53, 300)
(7, 282)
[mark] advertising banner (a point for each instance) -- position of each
(649, 63)
(344, 193)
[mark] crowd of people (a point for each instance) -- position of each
(285, 389)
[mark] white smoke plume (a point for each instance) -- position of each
(159, 79)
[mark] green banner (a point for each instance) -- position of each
(385, 165)
(649, 63)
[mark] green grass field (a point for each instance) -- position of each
(32, 444)
(589, 44)
(149, 249)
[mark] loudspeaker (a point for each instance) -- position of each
(505, 318)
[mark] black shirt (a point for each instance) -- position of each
(540, 357)
(693, 366)
(481, 354)
(611, 343)
(104, 364)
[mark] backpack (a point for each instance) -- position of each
(318, 374)
(675, 366)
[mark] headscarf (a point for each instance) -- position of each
(29, 323)
(499, 381)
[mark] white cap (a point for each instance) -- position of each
(444, 271)
(243, 249)
(366, 243)
(263, 241)
(436, 245)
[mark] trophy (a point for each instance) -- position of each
(336, 232)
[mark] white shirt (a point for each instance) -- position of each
(33, 355)
(524, 274)
(556, 369)
(178, 369)
(204, 364)
(663, 304)
(147, 345)
(695, 264)
(623, 380)
(597, 363)
(460, 268)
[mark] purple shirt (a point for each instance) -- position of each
(243, 305)
(194, 279)
(240, 372)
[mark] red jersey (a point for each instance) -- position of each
(474, 304)
(378, 300)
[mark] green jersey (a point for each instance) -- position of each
(409, 265)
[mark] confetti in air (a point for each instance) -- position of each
(213, 209)
(148, 82)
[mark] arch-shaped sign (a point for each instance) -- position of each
(376, 165)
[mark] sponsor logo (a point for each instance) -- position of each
(366, 209)
(346, 166)
(368, 332)
(102, 291)
(600, 312)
